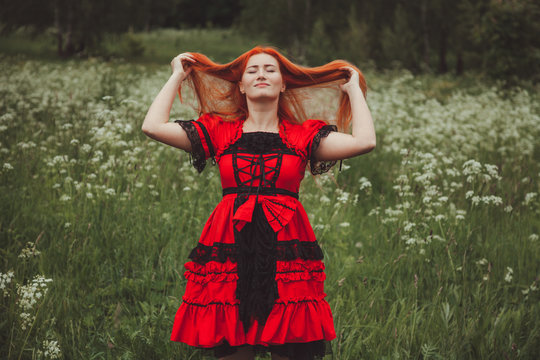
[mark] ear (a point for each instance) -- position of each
(241, 87)
(283, 87)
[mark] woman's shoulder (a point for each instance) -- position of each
(304, 130)
(215, 120)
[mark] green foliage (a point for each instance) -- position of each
(510, 30)
(398, 41)
(431, 240)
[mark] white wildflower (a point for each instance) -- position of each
(492, 199)
(408, 226)
(468, 194)
(482, 261)
(74, 142)
(324, 199)
(533, 237)
(166, 216)
(27, 293)
(529, 197)
(364, 183)
(508, 276)
(374, 211)
(472, 167)
(440, 217)
(7, 167)
(29, 251)
(51, 350)
(89, 195)
(5, 280)
(86, 148)
(110, 192)
(342, 196)
(344, 224)
(492, 170)
(26, 320)
(508, 208)
(65, 197)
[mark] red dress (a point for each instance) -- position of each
(256, 275)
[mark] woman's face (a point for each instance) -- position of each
(262, 78)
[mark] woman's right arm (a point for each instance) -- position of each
(156, 124)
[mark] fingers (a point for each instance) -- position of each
(186, 56)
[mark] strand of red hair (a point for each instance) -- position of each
(216, 86)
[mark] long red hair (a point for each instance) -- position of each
(216, 87)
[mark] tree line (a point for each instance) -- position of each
(499, 37)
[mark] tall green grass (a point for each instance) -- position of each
(431, 240)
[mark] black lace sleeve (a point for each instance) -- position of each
(197, 150)
(318, 167)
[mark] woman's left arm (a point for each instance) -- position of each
(337, 145)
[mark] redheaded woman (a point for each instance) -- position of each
(255, 280)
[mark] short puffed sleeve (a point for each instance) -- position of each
(202, 134)
(314, 131)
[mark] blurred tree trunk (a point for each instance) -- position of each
(459, 63)
(425, 33)
(443, 43)
(64, 29)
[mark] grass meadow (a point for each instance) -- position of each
(431, 240)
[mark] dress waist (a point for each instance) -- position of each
(253, 190)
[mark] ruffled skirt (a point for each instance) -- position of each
(256, 287)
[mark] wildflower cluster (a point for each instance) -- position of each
(5, 280)
(29, 251)
(29, 296)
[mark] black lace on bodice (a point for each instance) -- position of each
(259, 142)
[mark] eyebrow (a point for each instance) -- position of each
(263, 65)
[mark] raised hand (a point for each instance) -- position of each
(353, 83)
(178, 64)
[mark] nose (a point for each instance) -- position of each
(260, 73)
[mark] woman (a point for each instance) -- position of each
(255, 279)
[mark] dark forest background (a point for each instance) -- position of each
(500, 38)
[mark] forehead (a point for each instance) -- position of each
(261, 60)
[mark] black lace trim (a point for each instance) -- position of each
(285, 251)
(234, 272)
(259, 142)
(197, 149)
(314, 350)
(318, 167)
(237, 304)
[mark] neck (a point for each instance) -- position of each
(262, 116)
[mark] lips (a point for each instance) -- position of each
(262, 85)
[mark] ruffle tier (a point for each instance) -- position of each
(210, 325)
(209, 317)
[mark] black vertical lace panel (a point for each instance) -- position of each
(197, 150)
(318, 167)
(256, 286)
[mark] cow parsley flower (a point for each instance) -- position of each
(509, 273)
